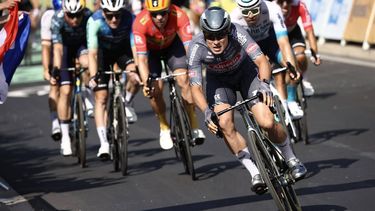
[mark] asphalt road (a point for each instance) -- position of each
(340, 158)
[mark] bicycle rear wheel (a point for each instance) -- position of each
(268, 171)
(80, 130)
(182, 131)
(302, 123)
(122, 135)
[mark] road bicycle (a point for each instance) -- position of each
(79, 126)
(179, 122)
(268, 158)
(117, 122)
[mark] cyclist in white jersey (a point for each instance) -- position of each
(264, 21)
(46, 40)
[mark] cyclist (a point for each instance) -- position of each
(163, 30)
(263, 20)
(292, 10)
(46, 37)
(68, 28)
(234, 62)
(109, 40)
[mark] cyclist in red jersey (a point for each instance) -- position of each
(162, 31)
(292, 10)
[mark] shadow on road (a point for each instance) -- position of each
(324, 95)
(315, 167)
(324, 136)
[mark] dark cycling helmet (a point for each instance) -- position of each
(56, 4)
(215, 20)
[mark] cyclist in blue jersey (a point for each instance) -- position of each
(234, 62)
(69, 44)
(264, 21)
(110, 41)
(47, 59)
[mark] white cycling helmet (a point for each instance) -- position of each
(248, 3)
(74, 6)
(112, 5)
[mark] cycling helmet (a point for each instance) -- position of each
(157, 5)
(112, 5)
(56, 4)
(248, 3)
(74, 6)
(215, 20)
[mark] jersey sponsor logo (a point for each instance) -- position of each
(241, 38)
(281, 19)
(228, 64)
(193, 54)
(138, 39)
(251, 48)
(143, 20)
(193, 73)
(217, 97)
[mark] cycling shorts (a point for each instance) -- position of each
(174, 55)
(222, 88)
(296, 38)
(106, 60)
(70, 54)
(270, 48)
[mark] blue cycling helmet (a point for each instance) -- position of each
(56, 4)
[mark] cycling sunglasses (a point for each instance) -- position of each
(110, 16)
(253, 11)
(74, 15)
(162, 13)
(215, 36)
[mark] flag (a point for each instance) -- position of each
(12, 57)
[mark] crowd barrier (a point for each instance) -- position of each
(344, 20)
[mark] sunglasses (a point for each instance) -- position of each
(110, 16)
(162, 13)
(74, 15)
(215, 36)
(253, 11)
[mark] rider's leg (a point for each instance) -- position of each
(100, 121)
(183, 83)
(86, 91)
(64, 112)
(53, 99)
(132, 86)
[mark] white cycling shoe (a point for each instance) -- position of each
(130, 114)
(295, 110)
(66, 148)
(165, 139)
(308, 89)
(103, 151)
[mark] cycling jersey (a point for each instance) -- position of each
(298, 9)
(45, 25)
(270, 16)
(148, 37)
(100, 35)
(67, 35)
(240, 47)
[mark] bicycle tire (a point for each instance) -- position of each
(302, 123)
(111, 136)
(122, 135)
(80, 130)
(287, 179)
(268, 171)
(281, 115)
(183, 136)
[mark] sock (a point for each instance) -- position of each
(65, 138)
(102, 133)
(192, 116)
(244, 157)
(286, 149)
(291, 90)
(163, 122)
(54, 119)
(129, 97)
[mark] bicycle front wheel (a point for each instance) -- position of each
(302, 123)
(80, 130)
(182, 131)
(268, 171)
(122, 135)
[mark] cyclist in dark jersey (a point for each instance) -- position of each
(234, 62)
(109, 40)
(68, 28)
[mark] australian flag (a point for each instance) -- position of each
(13, 42)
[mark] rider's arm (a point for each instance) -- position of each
(56, 26)
(264, 68)
(140, 42)
(92, 29)
(143, 67)
(46, 36)
(184, 28)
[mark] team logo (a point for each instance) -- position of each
(155, 3)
